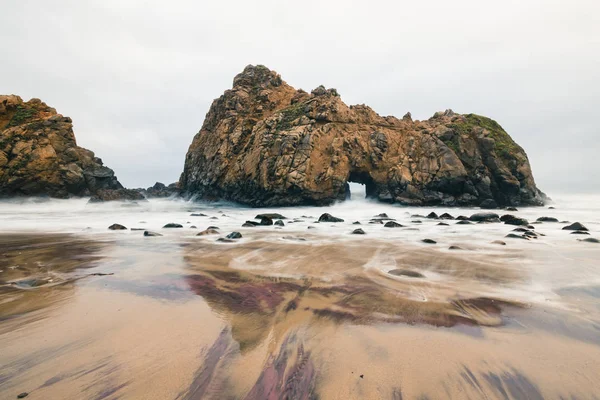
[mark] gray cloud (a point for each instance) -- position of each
(137, 77)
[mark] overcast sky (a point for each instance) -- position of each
(138, 77)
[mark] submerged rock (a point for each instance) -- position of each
(500, 242)
(485, 217)
(392, 224)
(270, 215)
(580, 233)
(547, 219)
(517, 221)
(515, 236)
(443, 224)
(406, 272)
(264, 143)
(326, 217)
(464, 222)
(279, 223)
(589, 240)
(446, 216)
(429, 241)
(149, 233)
(173, 225)
(208, 231)
(117, 227)
(358, 232)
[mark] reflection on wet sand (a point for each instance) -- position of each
(290, 284)
(273, 318)
(37, 270)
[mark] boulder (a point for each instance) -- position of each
(264, 143)
(149, 233)
(432, 215)
(429, 241)
(266, 221)
(517, 221)
(234, 235)
(329, 218)
(358, 232)
(443, 224)
(547, 219)
(485, 217)
(464, 222)
(446, 216)
(576, 226)
(392, 224)
(117, 227)
(279, 223)
(270, 215)
(173, 225)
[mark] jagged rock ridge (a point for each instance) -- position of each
(39, 154)
(264, 143)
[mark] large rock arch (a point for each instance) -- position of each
(263, 143)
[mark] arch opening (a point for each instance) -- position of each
(363, 186)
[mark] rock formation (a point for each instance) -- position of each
(264, 143)
(39, 155)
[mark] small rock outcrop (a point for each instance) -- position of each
(39, 154)
(264, 143)
(159, 190)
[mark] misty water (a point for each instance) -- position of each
(300, 311)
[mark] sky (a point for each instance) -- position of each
(137, 77)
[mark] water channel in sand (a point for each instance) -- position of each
(292, 312)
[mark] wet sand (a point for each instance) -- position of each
(274, 317)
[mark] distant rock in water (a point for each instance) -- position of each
(116, 194)
(39, 154)
(264, 143)
(159, 190)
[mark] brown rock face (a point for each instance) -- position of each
(39, 155)
(263, 143)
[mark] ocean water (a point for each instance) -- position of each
(306, 308)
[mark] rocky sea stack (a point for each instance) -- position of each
(264, 143)
(39, 154)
